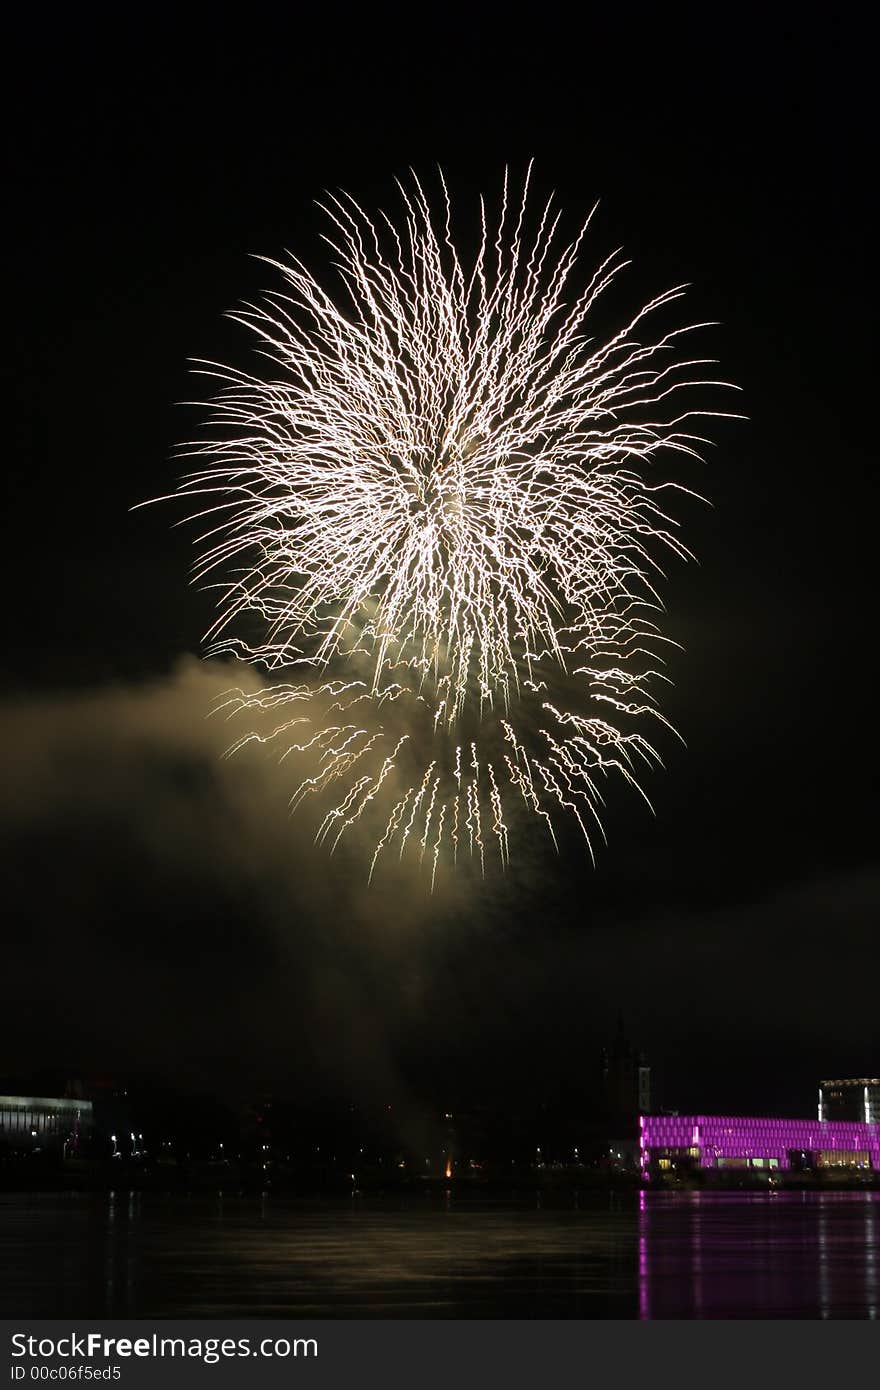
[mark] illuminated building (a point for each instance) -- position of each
(678, 1142)
(857, 1098)
(26, 1121)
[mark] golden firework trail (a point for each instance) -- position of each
(433, 507)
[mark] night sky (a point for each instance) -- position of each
(162, 915)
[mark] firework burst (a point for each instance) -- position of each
(433, 522)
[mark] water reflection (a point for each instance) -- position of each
(870, 1244)
(634, 1255)
(774, 1255)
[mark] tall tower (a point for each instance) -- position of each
(626, 1085)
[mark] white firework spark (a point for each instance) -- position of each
(437, 512)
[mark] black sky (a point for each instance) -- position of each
(159, 914)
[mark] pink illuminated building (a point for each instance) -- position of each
(731, 1141)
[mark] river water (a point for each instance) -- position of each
(628, 1255)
